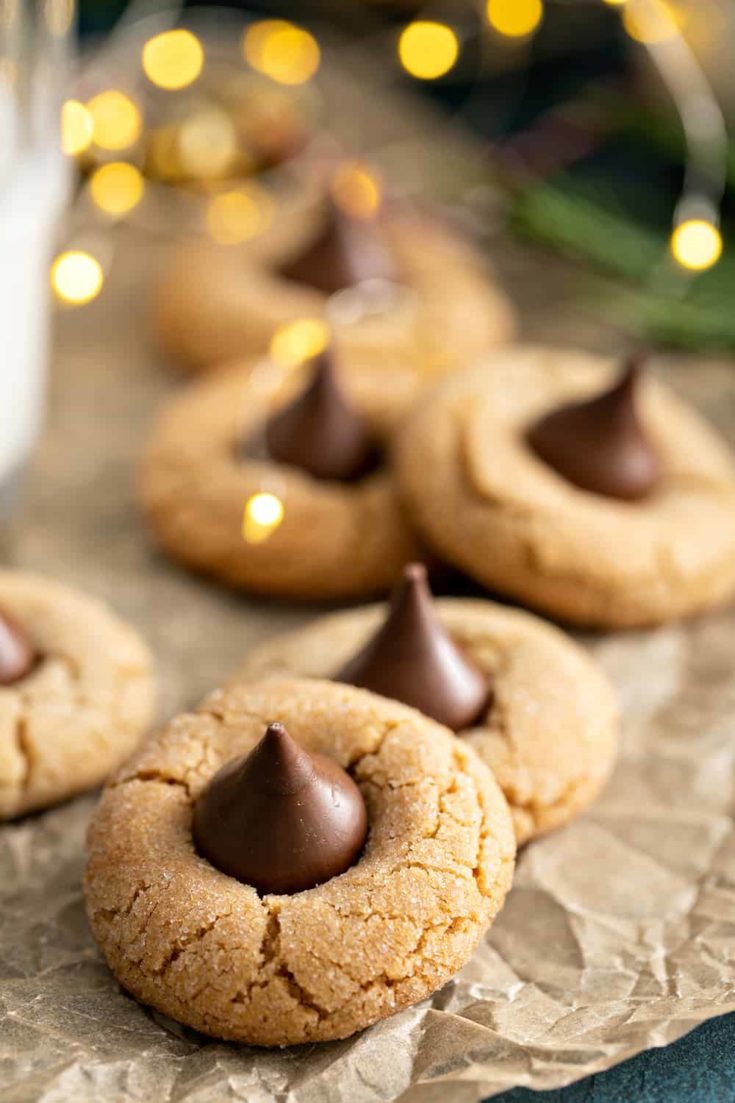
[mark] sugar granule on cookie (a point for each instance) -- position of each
(600, 443)
(413, 659)
(279, 818)
(389, 922)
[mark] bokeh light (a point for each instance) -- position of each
(238, 215)
(514, 18)
(651, 21)
(207, 144)
(282, 51)
(116, 121)
(173, 59)
(117, 187)
(76, 277)
(696, 244)
(356, 189)
(427, 50)
(263, 514)
(296, 342)
(77, 128)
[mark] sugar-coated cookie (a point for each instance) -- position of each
(471, 467)
(549, 725)
(76, 692)
(276, 968)
(220, 303)
(205, 463)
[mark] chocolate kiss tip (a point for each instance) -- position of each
(412, 658)
(345, 252)
(279, 818)
(283, 766)
(320, 431)
(600, 444)
(17, 655)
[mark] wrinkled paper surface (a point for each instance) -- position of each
(619, 932)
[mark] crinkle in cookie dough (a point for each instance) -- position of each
(219, 303)
(336, 539)
(320, 964)
(82, 709)
(550, 733)
(486, 503)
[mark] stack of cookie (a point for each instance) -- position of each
(326, 839)
(306, 853)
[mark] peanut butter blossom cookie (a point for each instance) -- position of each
(529, 701)
(295, 861)
(335, 526)
(76, 692)
(575, 484)
(394, 285)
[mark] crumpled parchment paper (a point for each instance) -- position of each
(620, 930)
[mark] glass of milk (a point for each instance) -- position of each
(33, 186)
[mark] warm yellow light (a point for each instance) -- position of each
(696, 244)
(173, 59)
(207, 144)
(77, 128)
(356, 189)
(284, 52)
(514, 18)
(237, 215)
(263, 514)
(615, 3)
(76, 277)
(427, 50)
(296, 342)
(116, 121)
(116, 188)
(651, 21)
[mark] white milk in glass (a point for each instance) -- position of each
(31, 197)
(33, 178)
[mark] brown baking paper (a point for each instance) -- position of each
(619, 932)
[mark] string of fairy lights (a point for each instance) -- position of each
(111, 122)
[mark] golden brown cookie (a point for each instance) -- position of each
(550, 730)
(220, 303)
(79, 700)
(488, 504)
(322, 963)
(335, 539)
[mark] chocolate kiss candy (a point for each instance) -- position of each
(600, 445)
(413, 659)
(17, 656)
(279, 818)
(346, 251)
(320, 431)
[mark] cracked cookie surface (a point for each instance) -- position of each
(220, 303)
(320, 964)
(486, 503)
(337, 539)
(550, 732)
(83, 707)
